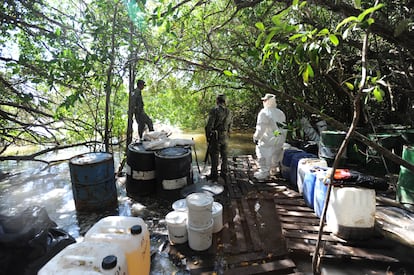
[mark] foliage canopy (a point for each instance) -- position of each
(67, 67)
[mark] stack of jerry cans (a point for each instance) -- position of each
(129, 233)
(87, 258)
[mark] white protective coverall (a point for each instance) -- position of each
(269, 147)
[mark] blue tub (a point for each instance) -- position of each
(287, 158)
(93, 181)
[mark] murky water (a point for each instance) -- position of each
(31, 183)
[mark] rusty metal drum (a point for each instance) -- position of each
(93, 181)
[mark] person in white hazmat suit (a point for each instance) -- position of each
(269, 137)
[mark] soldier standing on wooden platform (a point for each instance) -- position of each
(217, 134)
(138, 109)
(269, 137)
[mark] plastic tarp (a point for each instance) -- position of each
(29, 240)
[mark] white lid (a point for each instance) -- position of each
(176, 217)
(180, 205)
(216, 208)
(199, 200)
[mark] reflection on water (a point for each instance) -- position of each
(240, 143)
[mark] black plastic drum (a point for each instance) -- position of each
(141, 179)
(173, 170)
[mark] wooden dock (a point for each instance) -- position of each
(267, 227)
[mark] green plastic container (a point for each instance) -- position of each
(405, 186)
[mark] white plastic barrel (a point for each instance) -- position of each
(87, 258)
(200, 238)
(217, 213)
(131, 234)
(199, 209)
(306, 165)
(177, 226)
(351, 212)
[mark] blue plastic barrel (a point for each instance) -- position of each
(293, 171)
(93, 181)
(320, 193)
(287, 158)
(309, 188)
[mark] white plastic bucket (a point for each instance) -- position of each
(200, 238)
(306, 165)
(87, 258)
(180, 205)
(199, 209)
(131, 234)
(177, 226)
(351, 212)
(217, 213)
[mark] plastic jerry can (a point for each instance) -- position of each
(321, 187)
(87, 258)
(306, 165)
(351, 212)
(131, 234)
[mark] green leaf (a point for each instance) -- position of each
(369, 11)
(295, 36)
(350, 86)
(305, 76)
(269, 37)
(276, 19)
(357, 4)
(309, 70)
(228, 73)
(277, 56)
(346, 21)
(259, 39)
(378, 94)
(334, 39)
(260, 26)
(323, 32)
(370, 21)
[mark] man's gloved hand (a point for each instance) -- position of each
(255, 140)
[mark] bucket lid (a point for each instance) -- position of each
(216, 208)
(176, 217)
(211, 189)
(180, 205)
(172, 152)
(90, 158)
(199, 200)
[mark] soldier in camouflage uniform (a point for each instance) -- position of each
(138, 109)
(217, 134)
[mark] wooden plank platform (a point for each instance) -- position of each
(267, 225)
